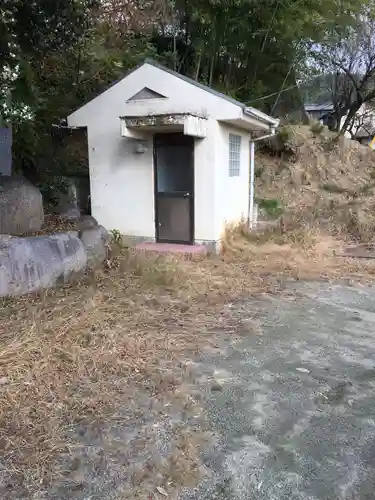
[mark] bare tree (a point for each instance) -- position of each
(363, 120)
(348, 56)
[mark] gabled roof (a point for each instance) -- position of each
(327, 106)
(247, 110)
(192, 82)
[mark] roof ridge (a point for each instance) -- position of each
(187, 79)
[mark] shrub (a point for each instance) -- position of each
(272, 207)
(316, 127)
(52, 189)
(116, 237)
(284, 134)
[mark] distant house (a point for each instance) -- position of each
(169, 158)
(362, 128)
(320, 112)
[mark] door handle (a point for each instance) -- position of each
(186, 195)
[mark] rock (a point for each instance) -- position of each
(67, 202)
(4, 239)
(70, 212)
(21, 206)
(87, 222)
(105, 235)
(31, 264)
(95, 241)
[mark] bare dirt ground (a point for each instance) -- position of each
(98, 398)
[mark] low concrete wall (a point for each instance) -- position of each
(32, 264)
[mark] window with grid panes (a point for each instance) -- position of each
(234, 155)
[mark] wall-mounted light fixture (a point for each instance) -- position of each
(140, 147)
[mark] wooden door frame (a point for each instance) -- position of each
(174, 138)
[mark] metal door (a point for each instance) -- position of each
(174, 183)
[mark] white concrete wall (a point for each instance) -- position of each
(232, 193)
(121, 182)
(206, 180)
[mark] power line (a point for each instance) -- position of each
(273, 94)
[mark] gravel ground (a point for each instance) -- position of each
(293, 409)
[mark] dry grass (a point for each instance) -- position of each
(74, 355)
(326, 178)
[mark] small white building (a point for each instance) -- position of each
(169, 158)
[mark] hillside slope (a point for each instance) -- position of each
(319, 177)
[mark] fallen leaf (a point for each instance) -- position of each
(162, 491)
(303, 370)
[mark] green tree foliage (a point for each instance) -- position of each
(29, 30)
(39, 41)
(76, 49)
(56, 56)
(252, 48)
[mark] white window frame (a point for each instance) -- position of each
(235, 141)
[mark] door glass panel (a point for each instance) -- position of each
(174, 168)
(174, 218)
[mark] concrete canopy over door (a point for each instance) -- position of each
(138, 127)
